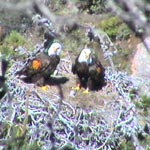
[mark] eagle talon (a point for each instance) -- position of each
(77, 88)
(45, 88)
(86, 91)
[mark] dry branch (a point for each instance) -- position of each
(134, 14)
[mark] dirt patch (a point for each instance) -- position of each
(92, 100)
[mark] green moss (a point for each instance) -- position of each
(18, 139)
(127, 146)
(146, 142)
(32, 146)
(13, 41)
(98, 6)
(123, 31)
(145, 103)
(115, 28)
(133, 94)
(110, 22)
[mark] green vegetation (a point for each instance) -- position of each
(18, 139)
(98, 6)
(13, 41)
(115, 28)
(144, 103)
(127, 146)
(88, 6)
(92, 6)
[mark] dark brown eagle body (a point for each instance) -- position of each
(38, 69)
(47, 66)
(96, 79)
(90, 76)
(81, 70)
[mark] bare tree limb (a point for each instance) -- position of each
(133, 13)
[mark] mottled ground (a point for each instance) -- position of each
(92, 100)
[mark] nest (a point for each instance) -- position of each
(54, 123)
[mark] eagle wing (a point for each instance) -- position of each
(51, 65)
(96, 70)
(96, 74)
(39, 69)
(40, 64)
(73, 69)
(81, 71)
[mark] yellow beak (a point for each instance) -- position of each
(55, 49)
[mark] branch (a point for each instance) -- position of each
(133, 14)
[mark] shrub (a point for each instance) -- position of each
(145, 102)
(15, 39)
(92, 6)
(115, 28)
(11, 42)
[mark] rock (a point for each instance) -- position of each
(141, 68)
(141, 62)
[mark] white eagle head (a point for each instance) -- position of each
(85, 56)
(55, 49)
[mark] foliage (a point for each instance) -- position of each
(15, 39)
(144, 103)
(127, 146)
(115, 28)
(98, 6)
(17, 138)
(88, 6)
(21, 143)
(92, 6)
(11, 42)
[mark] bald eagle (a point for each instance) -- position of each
(38, 69)
(89, 71)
